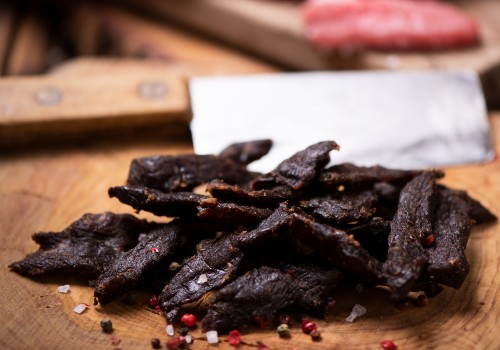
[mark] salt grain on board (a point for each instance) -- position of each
(357, 311)
(63, 289)
(80, 308)
(170, 330)
(212, 337)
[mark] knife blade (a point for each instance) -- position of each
(404, 119)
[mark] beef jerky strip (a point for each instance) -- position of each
(233, 214)
(257, 294)
(126, 271)
(247, 152)
(261, 198)
(299, 170)
(214, 265)
(336, 246)
(265, 230)
(353, 176)
(477, 212)
(373, 236)
(184, 172)
(86, 247)
(315, 285)
(176, 204)
(413, 221)
(447, 262)
(342, 209)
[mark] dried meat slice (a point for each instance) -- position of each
(343, 208)
(373, 236)
(299, 170)
(448, 264)
(185, 172)
(268, 228)
(261, 198)
(315, 285)
(232, 214)
(388, 24)
(351, 176)
(256, 295)
(214, 265)
(413, 221)
(247, 152)
(86, 247)
(175, 204)
(335, 246)
(126, 271)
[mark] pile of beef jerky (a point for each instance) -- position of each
(266, 243)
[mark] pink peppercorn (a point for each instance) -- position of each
(234, 338)
(189, 320)
(153, 302)
(428, 240)
(388, 345)
(308, 326)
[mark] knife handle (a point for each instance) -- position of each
(43, 108)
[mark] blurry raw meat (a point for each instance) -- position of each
(388, 24)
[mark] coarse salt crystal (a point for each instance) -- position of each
(189, 338)
(170, 330)
(202, 279)
(357, 311)
(212, 337)
(80, 308)
(63, 289)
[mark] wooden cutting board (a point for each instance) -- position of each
(274, 30)
(47, 190)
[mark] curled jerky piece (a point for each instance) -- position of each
(448, 264)
(343, 208)
(255, 295)
(352, 176)
(335, 246)
(299, 170)
(214, 265)
(234, 214)
(86, 247)
(247, 152)
(372, 235)
(265, 230)
(163, 204)
(126, 271)
(184, 172)
(261, 198)
(413, 221)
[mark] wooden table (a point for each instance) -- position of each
(47, 189)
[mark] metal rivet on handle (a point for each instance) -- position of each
(152, 90)
(48, 96)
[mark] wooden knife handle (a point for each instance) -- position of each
(45, 107)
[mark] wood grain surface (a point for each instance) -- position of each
(48, 189)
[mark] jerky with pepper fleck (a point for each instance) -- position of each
(257, 294)
(247, 152)
(299, 170)
(185, 172)
(261, 198)
(448, 264)
(86, 247)
(217, 259)
(126, 271)
(174, 204)
(353, 176)
(233, 214)
(413, 221)
(335, 246)
(343, 208)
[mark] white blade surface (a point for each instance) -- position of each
(409, 119)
